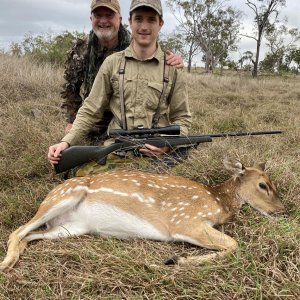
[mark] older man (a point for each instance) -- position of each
(107, 36)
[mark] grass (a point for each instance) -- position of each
(266, 265)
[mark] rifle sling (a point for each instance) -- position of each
(121, 91)
(156, 116)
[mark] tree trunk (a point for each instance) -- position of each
(255, 67)
(190, 60)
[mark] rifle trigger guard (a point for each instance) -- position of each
(102, 161)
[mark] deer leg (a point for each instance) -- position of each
(207, 237)
(46, 214)
(18, 239)
(16, 247)
(61, 231)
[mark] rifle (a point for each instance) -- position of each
(126, 140)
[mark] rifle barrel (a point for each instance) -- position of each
(227, 134)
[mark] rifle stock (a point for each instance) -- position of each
(78, 155)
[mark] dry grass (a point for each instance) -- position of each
(266, 266)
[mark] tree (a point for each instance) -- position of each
(262, 20)
(209, 26)
(217, 32)
(232, 65)
(295, 57)
(174, 42)
(268, 64)
(187, 15)
(46, 47)
(248, 59)
(15, 49)
(281, 40)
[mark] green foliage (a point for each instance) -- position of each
(173, 42)
(231, 64)
(294, 56)
(209, 25)
(189, 12)
(47, 47)
(16, 49)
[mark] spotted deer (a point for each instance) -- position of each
(133, 204)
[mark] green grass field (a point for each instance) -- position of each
(266, 265)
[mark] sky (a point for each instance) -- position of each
(20, 17)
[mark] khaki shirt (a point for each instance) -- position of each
(143, 84)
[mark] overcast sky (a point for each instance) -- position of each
(20, 17)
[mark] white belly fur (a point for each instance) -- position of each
(108, 220)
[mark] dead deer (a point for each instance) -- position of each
(133, 204)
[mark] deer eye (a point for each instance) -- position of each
(263, 186)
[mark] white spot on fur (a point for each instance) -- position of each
(139, 196)
(151, 200)
(120, 194)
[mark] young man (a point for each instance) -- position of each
(107, 36)
(146, 100)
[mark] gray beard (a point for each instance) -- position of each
(107, 36)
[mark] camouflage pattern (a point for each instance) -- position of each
(114, 5)
(154, 4)
(83, 62)
(128, 158)
(113, 161)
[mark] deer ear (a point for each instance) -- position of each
(234, 166)
(261, 166)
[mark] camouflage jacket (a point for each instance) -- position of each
(82, 64)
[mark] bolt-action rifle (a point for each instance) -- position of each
(127, 140)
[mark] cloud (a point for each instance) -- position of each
(20, 17)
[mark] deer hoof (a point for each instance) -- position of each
(173, 260)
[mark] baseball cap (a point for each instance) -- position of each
(154, 4)
(114, 5)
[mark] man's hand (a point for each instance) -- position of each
(68, 128)
(54, 152)
(174, 60)
(153, 151)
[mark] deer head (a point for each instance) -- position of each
(255, 188)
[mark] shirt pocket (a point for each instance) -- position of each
(153, 94)
(114, 80)
(127, 89)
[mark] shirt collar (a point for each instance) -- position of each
(158, 55)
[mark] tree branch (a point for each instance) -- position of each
(248, 36)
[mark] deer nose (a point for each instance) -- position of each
(280, 214)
